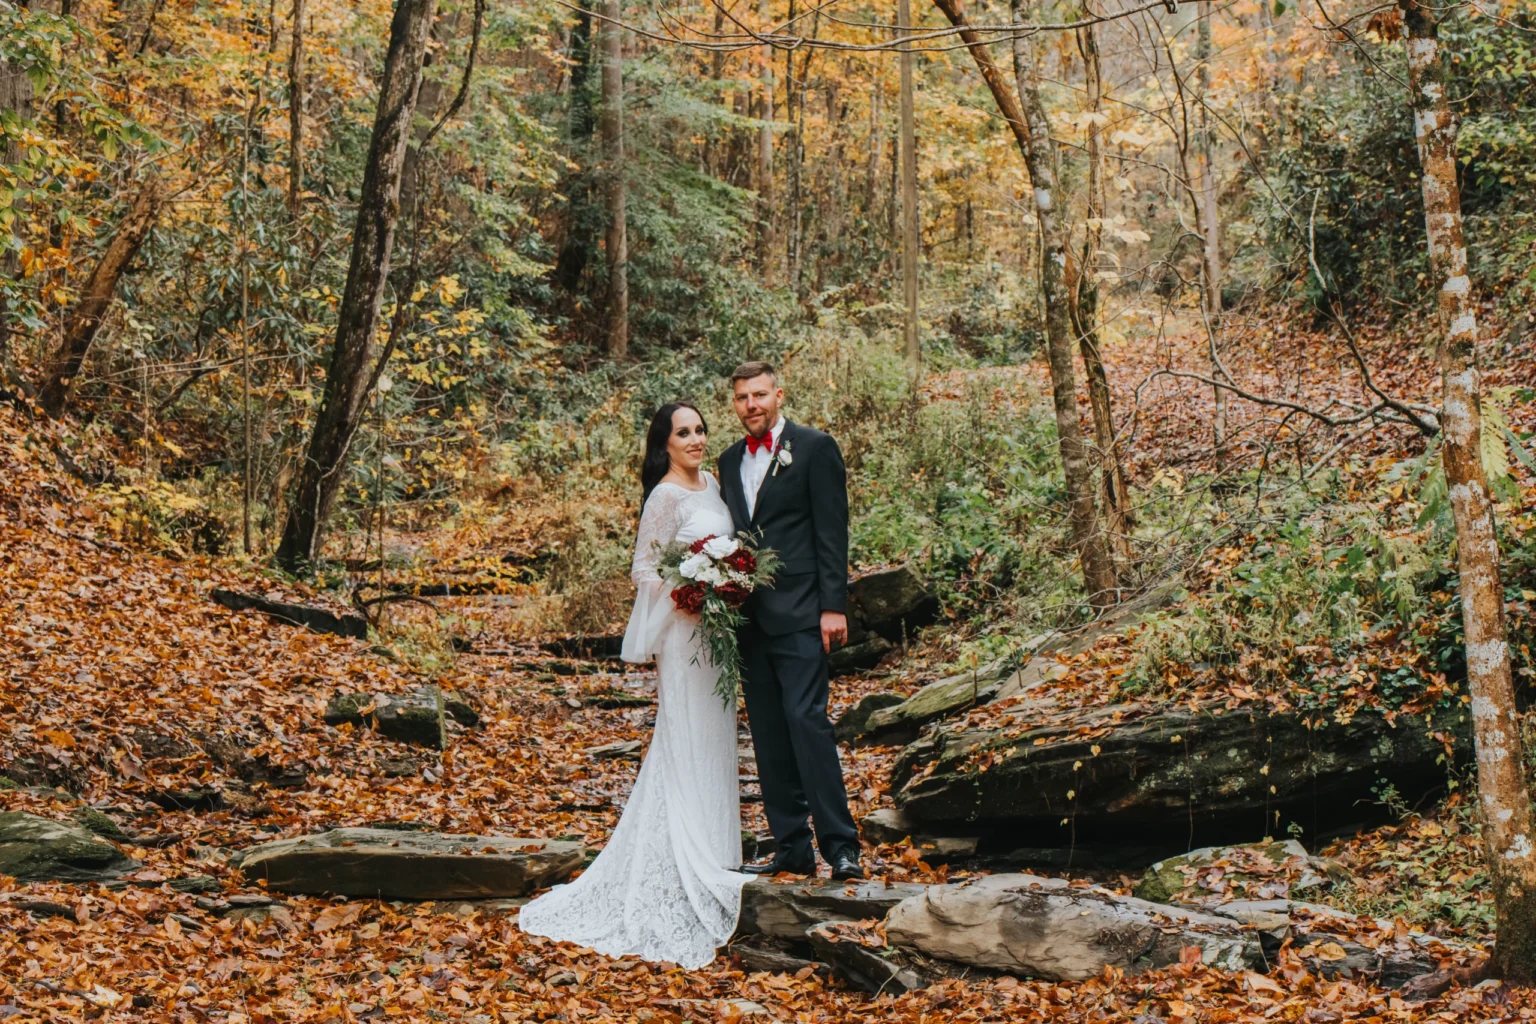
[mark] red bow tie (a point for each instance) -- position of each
(754, 443)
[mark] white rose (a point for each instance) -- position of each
(693, 565)
(710, 575)
(719, 547)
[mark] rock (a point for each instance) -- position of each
(785, 910)
(758, 953)
(1048, 928)
(320, 620)
(602, 648)
(856, 657)
(611, 700)
(893, 603)
(99, 823)
(886, 825)
(34, 849)
(203, 798)
(1258, 871)
(154, 880)
(410, 718)
(409, 865)
(39, 907)
(960, 692)
(861, 958)
(851, 725)
(1090, 780)
(623, 750)
(901, 722)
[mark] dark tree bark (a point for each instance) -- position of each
(581, 121)
(95, 298)
(296, 111)
(1510, 847)
(353, 370)
(765, 243)
(612, 39)
(1025, 114)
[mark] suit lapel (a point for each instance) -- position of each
(786, 436)
(730, 482)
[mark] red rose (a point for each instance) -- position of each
(698, 545)
(689, 599)
(734, 594)
(741, 560)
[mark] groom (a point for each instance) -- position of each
(786, 484)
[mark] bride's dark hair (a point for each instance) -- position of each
(657, 461)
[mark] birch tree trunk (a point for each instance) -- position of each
(1025, 114)
(1501, 784)
(96, 297)
(612, 38)
(911, 232)
(1086, 309)
(355, 357)
(1210, 226)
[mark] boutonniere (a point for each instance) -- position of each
(782, 457)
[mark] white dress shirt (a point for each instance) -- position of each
(754, 467)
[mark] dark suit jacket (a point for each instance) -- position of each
(801, 513)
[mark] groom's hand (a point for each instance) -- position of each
(834, 630)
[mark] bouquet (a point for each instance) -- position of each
(712, 578)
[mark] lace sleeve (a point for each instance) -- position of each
(658, 527)
(653, 610)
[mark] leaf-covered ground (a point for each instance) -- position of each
(126, 686)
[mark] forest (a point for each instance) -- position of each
(1182, 357)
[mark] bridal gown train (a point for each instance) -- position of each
(665, 888)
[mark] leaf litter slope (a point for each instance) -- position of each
(123, 682)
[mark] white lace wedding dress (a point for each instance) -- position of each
(665, 888)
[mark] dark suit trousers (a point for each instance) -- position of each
(786, 689)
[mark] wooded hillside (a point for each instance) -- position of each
(1182, 355)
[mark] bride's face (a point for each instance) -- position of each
(686, 446)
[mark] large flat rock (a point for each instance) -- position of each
(1049, 928)
(1171, 779)
(389, 864)
(787, 910)
(36, 849)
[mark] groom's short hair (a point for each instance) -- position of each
(754, 368)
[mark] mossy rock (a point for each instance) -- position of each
(410, 718)
(101, 824)
(856, 719)
(1254, 871)
(36, 849)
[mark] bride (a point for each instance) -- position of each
(665, 887)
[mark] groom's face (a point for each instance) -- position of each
(757, 401)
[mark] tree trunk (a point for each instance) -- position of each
(1117, 515)
(355, 359)
(1026, 116)
(1501, 783)
(581, 122)
(911, 248)
(1210, 226)
(96, 296)
(296, 112)
(765, 209)
(612, 38)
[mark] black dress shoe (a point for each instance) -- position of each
(782, 865)
(846, 866)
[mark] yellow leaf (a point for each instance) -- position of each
(1331, 951)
